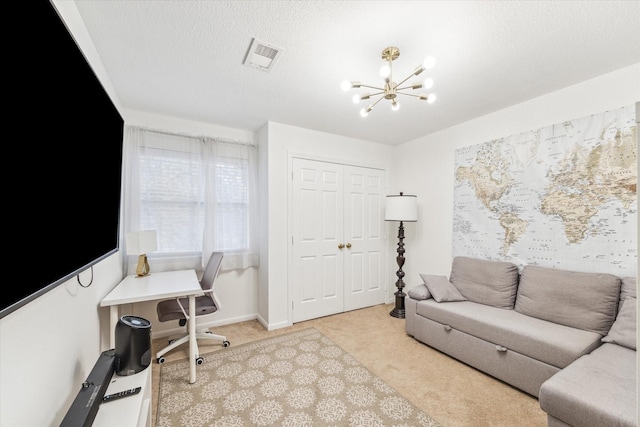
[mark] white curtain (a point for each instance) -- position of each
(221, 227)
(213, 183)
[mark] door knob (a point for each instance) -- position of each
(340, 246)
(348, 245)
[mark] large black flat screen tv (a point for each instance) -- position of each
(63, 162)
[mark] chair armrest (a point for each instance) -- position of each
(186, 316)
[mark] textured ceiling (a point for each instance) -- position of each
(185, 58)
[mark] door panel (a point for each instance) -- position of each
(317, 271)
(363, 271)
(334, 205)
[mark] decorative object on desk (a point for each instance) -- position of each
(296, 378)
(391, 89)
(403, 208)
(140, 243)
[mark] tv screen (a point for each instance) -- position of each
(64, 162)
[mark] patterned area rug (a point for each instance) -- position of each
(297, 379)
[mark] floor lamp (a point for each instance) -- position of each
(403, 208)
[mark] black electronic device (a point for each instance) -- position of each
(71, 145)
(133, 345)
(84, 408)
(121, 394)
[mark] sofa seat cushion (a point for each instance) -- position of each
(599, 389)
(554, 344)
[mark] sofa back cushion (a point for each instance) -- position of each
(627, 289)
(586, 301)
(486, 282)
(623, 330)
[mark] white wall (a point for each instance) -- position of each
(49, 346)
(281, 142)
(425, 166)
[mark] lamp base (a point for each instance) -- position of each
(398, 311)
(142, 269)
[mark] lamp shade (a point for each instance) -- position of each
(401, 207)
(141, 242)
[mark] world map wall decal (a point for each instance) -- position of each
(562, 196)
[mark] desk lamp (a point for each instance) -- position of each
(401, 208)
(139, 243)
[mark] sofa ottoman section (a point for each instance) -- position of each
(600, 388)
(593, 391)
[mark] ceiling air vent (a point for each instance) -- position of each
(262, 56)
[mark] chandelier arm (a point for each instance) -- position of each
(375, 103)
(420, 95)
(372, 87)
(409, 87)
(407, 78)
(376, 94)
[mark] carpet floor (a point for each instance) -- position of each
(450, 392)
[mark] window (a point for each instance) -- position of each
(171, 200)
(198, 193)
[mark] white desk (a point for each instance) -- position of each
(156, 286)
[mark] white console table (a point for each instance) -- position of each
(130, 411)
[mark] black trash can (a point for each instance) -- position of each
(133, 345)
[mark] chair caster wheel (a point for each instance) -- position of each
(161, 359)
(226, 343)
(199, 360)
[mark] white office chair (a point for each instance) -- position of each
(178, 308)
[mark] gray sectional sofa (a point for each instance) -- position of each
(567, 338)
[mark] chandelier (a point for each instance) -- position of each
(391, 89)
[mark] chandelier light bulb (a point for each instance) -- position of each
(428, 83)
(346, 85)
(428, 62)
(431, 98)
(364, 112)
(356, 98)
(395, 106)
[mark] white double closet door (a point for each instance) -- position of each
(337, 247)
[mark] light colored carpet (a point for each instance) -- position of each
(301, 378)
(451, 392)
